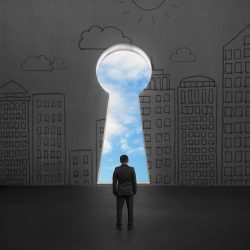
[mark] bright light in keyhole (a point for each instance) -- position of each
(123, 71)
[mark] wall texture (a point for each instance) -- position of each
(195, 110)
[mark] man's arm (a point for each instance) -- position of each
(114, 182)
(134, 181)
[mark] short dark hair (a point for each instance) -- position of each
(123, 158)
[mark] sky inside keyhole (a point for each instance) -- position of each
(123, 74)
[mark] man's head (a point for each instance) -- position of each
(124, 159)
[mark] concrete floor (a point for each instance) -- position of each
(74, 218)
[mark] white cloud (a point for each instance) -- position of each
(130, 149)
(125, 65)
(107, 147)
(113, 129)
(136, 141)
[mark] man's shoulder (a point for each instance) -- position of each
(121, 167)
(117, 168)
(131, 168)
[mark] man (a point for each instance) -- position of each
(125, 190)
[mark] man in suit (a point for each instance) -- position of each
(125, 177)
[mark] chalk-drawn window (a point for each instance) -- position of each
(158, 110)
(228, 68)
(228, 82)
(237, 142)
(237, 82)
(167, 163)
(59, 104)
(52, 142)
(238, 96)
(147, 124)
(86, 172)
(237, 54)
(158, 178)
(59, 117)
(248, 111)
(247, 67)
(145, 99)
(247, 40)
(159, 123)
(228, 54)
(247, 156)
(167, 136)
(247, 127)
(183, 97)
(167, 109)
(165, 84)
(145, 110)
(59, 142)
(39, 104)
(167, 122)
(85, 159)
(167, 98)
(46, 154)
(149, 164)
(46, 103)
(238, 67)
(238, 156)
(147, 137)
(158, 98)
(101, 130)
(247, 82)
(148, 151)
(247, 52)
(158, 163)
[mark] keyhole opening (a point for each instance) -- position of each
(123, 71)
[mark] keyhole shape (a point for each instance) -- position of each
(123, 71)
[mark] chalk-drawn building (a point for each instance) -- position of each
(81, 168)
(157, 104)
(48, 139)
(236, 110)
(14, 135)
(197, 131)
(100, 127)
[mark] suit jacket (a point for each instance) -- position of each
(126, 178)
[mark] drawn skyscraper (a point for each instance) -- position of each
(48, 139)
(236, 110)
(100, 127)
(197, 131)
(14, 134)
(157, 103)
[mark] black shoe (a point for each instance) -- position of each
(119, 227)
(130, 227)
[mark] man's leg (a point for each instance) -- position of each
(119, 206)
(130, 206)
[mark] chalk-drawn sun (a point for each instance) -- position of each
(150, 8)
(147, 4)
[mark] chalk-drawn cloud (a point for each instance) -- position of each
(58, 63)
(43, 63)
(100, 38)
(37, 63)
(183, 54)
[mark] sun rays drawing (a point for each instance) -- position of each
(148, 8)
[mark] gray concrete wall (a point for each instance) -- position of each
(51, 47)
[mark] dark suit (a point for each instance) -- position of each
(125, 177)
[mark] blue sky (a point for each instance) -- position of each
(123, 74)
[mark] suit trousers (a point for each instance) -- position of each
(119, 205)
